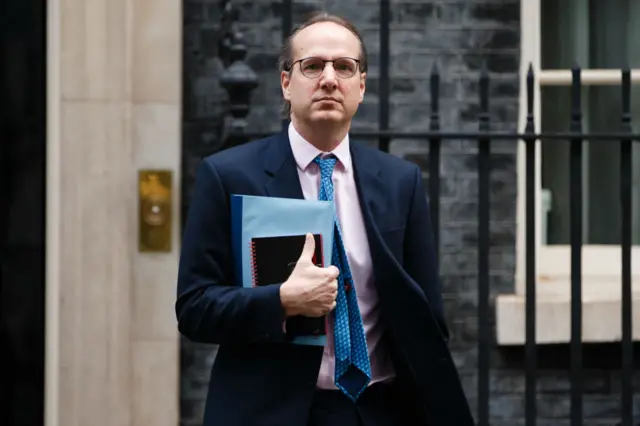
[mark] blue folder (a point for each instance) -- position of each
(255, 217)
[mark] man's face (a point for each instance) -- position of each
(328, 97)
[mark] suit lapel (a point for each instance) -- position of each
(368, 179)
(280, 168)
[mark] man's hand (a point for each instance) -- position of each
(310, 291)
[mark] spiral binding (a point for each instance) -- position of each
(320, 262)
(254, 264)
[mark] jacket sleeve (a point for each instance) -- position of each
(420, 259)
(209, 307)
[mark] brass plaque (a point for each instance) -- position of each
(155, 205)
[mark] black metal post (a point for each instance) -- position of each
(383, 83)
(287, 27)
(625, 198)
(287, 18)
(576, 249)
(530, 290)
(484, 245)
(434, 158)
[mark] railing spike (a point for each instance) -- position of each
(434, 69)
(484, 70)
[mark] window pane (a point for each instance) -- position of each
(591, 33)
(608, 28)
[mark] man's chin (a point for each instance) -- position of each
(328, 116)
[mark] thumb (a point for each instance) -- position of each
(308, 249)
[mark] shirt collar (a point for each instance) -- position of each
(304, 152)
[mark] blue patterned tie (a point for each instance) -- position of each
(352, 371)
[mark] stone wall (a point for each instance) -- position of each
(457, 36)
(113, 109)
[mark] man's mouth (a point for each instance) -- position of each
(327, 99)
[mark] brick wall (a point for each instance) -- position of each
(457, 36)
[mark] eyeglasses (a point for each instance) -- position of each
(314, 67)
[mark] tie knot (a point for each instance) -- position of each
(326, 164)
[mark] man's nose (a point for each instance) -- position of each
(328, 77)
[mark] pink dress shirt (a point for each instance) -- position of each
(357, 247)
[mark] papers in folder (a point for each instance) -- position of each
(267, 239)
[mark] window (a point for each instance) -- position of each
(601, 37)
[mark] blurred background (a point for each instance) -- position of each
(109, 105)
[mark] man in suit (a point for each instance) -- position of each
(382, 287)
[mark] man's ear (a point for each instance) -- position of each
(363, 83)
(284, 82)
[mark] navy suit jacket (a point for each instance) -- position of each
(257, 379)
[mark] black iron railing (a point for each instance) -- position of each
(241, 82)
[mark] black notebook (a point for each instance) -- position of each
(273, 259)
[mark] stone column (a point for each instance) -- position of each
(113, 108)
